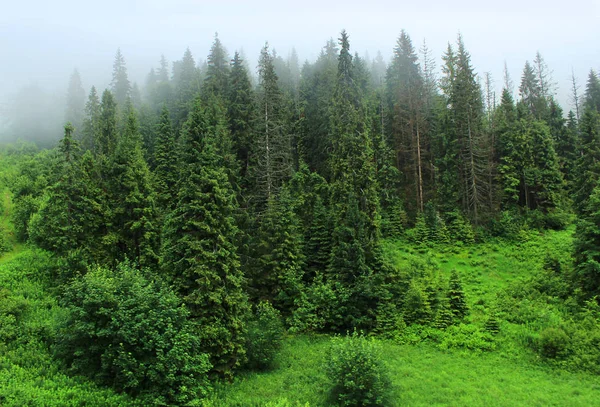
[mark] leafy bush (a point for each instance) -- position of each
(263, 340)
(467, 336)
(507, 225)
(358, 376)
(553, 342)
(132, 333)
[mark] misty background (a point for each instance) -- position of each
(42, 42)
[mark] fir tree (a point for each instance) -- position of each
(198, 250)
(456, 297)
(133, 233)
(592, 92)
(165, 158)
(107, 136)
(272, 155)
(279, 256)
(217, 72)
(75, 102)
(587, 248)
(91, 124)
(241, 112)
(120, 85)
(588, 163)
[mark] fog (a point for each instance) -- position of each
(42, 42)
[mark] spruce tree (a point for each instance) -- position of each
(120, 85)
(198, 250)
(272, 151)
(354, 200)
(165, 158)
(588, 164)
(587, 248)
(592, 92)
(241, 113)
(107, 136)
(91, 124)
(132, 232)
(217, 72)
(279, 263)
(456, 297)
(71, 215)
(75, 103)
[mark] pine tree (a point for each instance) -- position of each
(120, 85)
(75, 103)
(91, 124)
(272, 154)
(406, 102)
(278, 271)
(588, 163)
(217, 72)
(456, 297)
(71, 215)
(107, 136)
(587, 248)
(354, 200)
(198, 249)
(241, 113)
(531, 92)
(132, 232)
(165, 158)
(316, 91)
(592, 92)
(186, 86)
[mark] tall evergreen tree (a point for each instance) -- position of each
(91, 123)
(355, 204)
(120, 85)
(272, 151)
(217, 72)
(198, 250)
(241, 112)
(165, 158)
(75, 103)
(186, 86)
(592, 92)
(588, 162)
(107, 137)
(132, 232)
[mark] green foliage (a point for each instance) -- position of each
(132, 333)
(552, 342)
(456, 297)
(459, 229)
(278, 272)
(5, 241)
(587, 248)
(199, 256)
(264, 337)
(357, 374)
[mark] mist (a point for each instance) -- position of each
(43, 42)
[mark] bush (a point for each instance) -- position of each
(264, 337)
(358, 376)
(130, 332)
(553, 342)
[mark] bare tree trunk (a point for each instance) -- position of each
(420, 169)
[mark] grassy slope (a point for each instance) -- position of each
(425, 375)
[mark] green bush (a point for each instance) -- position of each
(553, 342)
(358, 376)
(263, 340)
(132, 333)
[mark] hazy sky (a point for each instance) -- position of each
(42, 41)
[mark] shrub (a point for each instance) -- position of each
(553, 342)
(358, 376)
(265, 333)
(132, 333)
(5, 245)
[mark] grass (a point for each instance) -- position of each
(422, 375)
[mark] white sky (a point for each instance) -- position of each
(42, 41)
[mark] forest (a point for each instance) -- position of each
(338, 233)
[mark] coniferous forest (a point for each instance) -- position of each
(343, 232)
